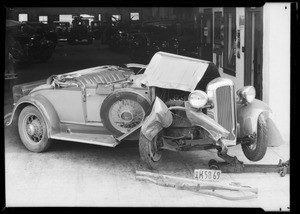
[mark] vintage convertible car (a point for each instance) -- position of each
(178, 103)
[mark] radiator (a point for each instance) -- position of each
(221, 92)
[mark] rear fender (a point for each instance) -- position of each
(247, 116)
(44, 106)
(159, 118)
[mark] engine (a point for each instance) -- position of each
(181, 127)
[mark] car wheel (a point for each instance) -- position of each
(120, 112)
(33, 130)
(257, 150)
(149, 152)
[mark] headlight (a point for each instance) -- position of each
(247, 93)
(198, 98)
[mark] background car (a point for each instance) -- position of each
(80, 31)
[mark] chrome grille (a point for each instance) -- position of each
(225, 109)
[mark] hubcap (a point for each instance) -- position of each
(126, 115)
(33, 128)
(30, 129)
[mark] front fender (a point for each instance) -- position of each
(247, 116)
(211, 126)
(159, 118)
(44, 106)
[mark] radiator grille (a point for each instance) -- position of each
(225, 110)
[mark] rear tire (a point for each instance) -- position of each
(149, 153)
(33, 130)
(257, 150)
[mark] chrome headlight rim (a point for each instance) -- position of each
(198, 99)
(247, 94)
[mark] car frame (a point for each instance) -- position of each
(107, 105)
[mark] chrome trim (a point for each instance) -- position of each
(211, 91)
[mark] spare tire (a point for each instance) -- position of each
(122, 111)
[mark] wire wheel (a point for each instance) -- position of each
(122, 111)
(33, 130)
(126, 114)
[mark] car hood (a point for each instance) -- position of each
(172, 71)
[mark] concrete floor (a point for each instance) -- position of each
(79, 175)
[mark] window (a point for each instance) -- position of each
(66, 18)
(115, 18)
(229, 58)
(135, 16)
(43, 19)
(23, 17)
(99, 17)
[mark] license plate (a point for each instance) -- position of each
(207, 174)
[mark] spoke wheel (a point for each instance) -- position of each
(33, 129)
(126, 114)
(121, 112)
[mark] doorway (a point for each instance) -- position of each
(205, 22)
(253, 49)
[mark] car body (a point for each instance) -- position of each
(80, 31)
(107, 105)
(61, 29)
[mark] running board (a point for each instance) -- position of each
(96, 139)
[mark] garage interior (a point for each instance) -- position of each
(72, 174)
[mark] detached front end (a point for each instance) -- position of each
(196, 109)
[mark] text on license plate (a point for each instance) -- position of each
(207, 174)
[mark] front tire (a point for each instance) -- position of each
(33, 130)
(257, 150)
(149, 152)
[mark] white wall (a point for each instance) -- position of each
(276, 63)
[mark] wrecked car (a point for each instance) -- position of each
(178, 103)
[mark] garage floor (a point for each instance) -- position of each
(74, 175)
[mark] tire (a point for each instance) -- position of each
(33, 130)
(149, 153)
(133, 108)
(257, 150)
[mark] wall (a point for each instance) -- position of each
(276, 63)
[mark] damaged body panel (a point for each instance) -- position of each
(200, 119)
(159, 118)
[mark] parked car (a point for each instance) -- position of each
(80, 31)
(40, 29)
(178, 104)
(61, 29)
(15, 53)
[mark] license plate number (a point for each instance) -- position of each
(207, 174)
